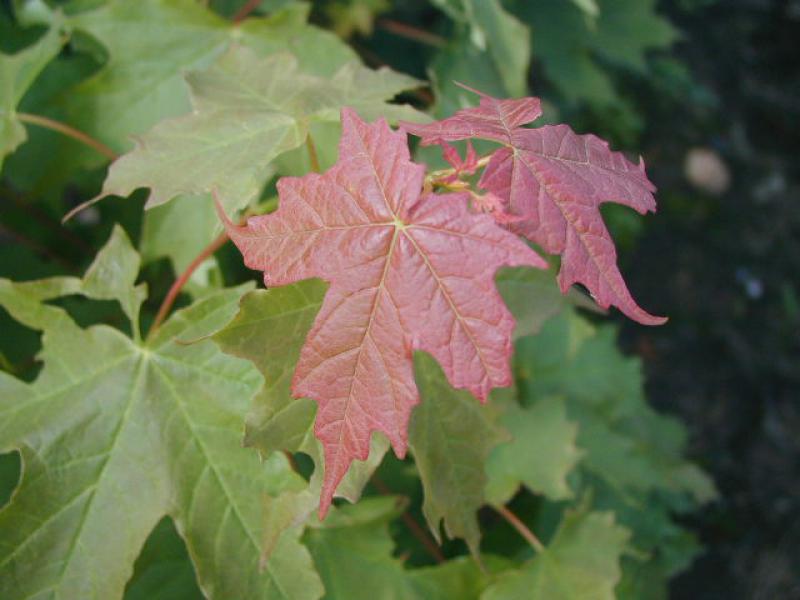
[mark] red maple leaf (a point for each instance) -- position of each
(554, 180)
(407, 271)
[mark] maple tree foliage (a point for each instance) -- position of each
(408, 271)
(552, 182)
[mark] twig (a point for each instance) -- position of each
(68, 131)
(313, 157)
(416, 529)
(245, 10)
(523, 530)
(178, 284)
(412, 33)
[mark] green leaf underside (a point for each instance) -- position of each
(115, 435)
(152, 43)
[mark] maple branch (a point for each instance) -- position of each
(69, 132)
(313, 157)
(517, 524)
(178, 284)
(412, 33)
(245, 10)
(416, 529)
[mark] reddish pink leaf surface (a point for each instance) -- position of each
(407, 271)
(552, 182)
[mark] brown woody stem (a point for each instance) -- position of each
(523, 530)
(68, 131)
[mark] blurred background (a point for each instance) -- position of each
(708, 91)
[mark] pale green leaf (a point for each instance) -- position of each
(17, 74)
(112, 276)
(115, 435)
(540, 455)
(580, 563)
(451, 435)
(247, 111)
(151, 43)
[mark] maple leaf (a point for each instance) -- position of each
(555, 181)
(115, 434)
(407, 271)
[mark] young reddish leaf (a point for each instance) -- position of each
(407, 271)
(555, 181)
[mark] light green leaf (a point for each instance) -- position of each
(353, 552)
(451, 435)
(541, 454)
(580, 563)
(247, 111)
(17, 74)
(112, 276)
(151, 43)
(115, 435)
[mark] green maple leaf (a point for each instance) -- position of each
(151, 43)
(451, 436)
(628, 444)
(247, 111)
(580, 563)
(540, 456)
(17, 74)
(115, 434)
(353, 552)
